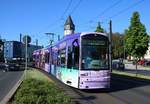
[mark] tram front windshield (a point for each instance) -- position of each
(95, 53)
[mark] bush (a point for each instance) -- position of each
(33, 91)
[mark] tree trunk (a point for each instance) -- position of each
(136, 66)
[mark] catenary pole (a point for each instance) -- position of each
(110, 45)
(26, 57)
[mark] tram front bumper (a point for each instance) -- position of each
(94, 79)
(94, 84)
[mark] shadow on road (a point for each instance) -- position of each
(118, 83)
(121, 82)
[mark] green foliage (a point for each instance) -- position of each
(37, 89)
(136, 38)
(34, 91)
(99, 28)
(117, 45)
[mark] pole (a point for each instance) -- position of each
(20, 37)
(124, 49)
(58, 37)
(110, 45)
(26, 57)
(36, 42)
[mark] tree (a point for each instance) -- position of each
(117, 45)
(99, 28)
(136, 38)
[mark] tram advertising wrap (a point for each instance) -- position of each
(78, 60)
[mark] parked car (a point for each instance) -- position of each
(141, 62)
(2, 66)
(117, 64)
(147, 63)
(11, 67)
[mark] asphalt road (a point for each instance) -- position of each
(124, 90)
(7, 81)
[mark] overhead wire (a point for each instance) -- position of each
(109, 8)
(75, 7)
(104, 11)
(60, 18)
(124, 10)
(118, 13)
(67, 8)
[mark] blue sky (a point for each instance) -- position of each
(36, 17)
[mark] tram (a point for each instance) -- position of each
(79, 60)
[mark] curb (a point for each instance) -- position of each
(12, 91)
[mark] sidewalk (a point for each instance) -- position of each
(130, 68)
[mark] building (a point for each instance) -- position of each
(30, 49)
(16, 50)
(12, 49)
(1, 50)
(69, 26)
(147, 55)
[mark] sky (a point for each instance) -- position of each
(37, 17)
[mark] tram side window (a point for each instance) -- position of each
(69, 63)
(54, 58)
(75, 54)
(47, 57)
(58, 59)
(63, 57)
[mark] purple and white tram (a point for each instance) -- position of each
(79, 60)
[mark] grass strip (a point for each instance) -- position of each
(38, 89)
(131, 74)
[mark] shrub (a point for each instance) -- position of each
(33, 91)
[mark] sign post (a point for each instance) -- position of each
(26, 40)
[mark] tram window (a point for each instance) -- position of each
(69, 63)
(54, 58)
(47, 57)
(75, 54)
(58, 58)
(63, 57)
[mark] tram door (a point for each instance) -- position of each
(73, 64)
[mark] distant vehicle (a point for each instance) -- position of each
(117, 64)
(2, 66)
(79, 60)
(147, 63)
(11, 67)
(142, 62)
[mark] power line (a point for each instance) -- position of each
(76, 6)
(59, 19)
(108, 8)
(121, 11)
(124, 10)
(104, 11)
(67, 8)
